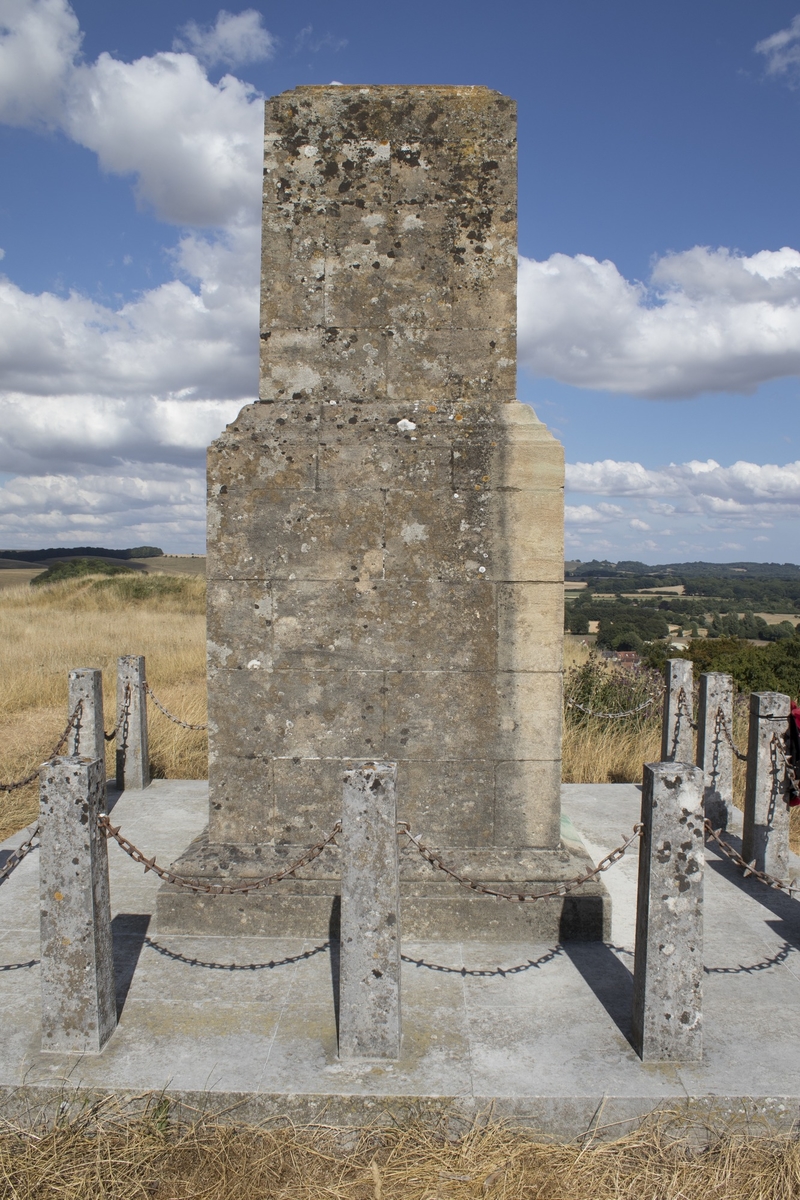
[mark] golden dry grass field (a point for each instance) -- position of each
(89, 622)
(148, 1158)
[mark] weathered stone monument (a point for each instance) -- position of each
(385, 531)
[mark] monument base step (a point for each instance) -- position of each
(433, 906)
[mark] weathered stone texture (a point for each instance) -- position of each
(79, 1011)
(677, 738)
(765, 825)
(133, 759)
(714, 752)
(85, 688)
(668, 962)
(385, 527)
(369, 972)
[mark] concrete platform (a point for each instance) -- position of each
(246, 1025)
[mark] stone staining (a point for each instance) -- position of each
(385, 543)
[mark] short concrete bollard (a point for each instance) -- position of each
(369, 972)
(133, 764)
(714, 752)
(668, 961)
(765, 827)
(86, 688)
(79, 1010)
(676, 727)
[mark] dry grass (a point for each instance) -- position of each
(600, 751)
(148, 1158)
(46, 632)
(596, 750)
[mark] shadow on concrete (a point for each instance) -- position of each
(112, 795)
(334, 941)
(610, 980)
(785, 908)
(581, 919)
(128, 931)
(209, 964)
(5, 855)
(764, 964)
(530, 964)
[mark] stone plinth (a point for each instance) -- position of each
(385, 527)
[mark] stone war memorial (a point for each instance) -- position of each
(385, 534)
(341, 938)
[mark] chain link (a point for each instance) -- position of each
(213, 889)
(170, 716)
(777, 743)
(21, 783)
(126, 701)
(16, 856)
(749, 868)
(563, 889)
(722, 723)
(612, 716)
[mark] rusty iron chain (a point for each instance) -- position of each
(612, 716)
(563, 889)
(749, 868)
(200, 885)
(59, 746)
(722, 723)
(171, 716)
(788, 765)
(123, 716)
(16, 856)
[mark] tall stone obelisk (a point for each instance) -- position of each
(385, 527)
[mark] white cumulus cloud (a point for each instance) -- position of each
(39, 41)
(105, 507)
(234, 39)
(156, 378)
(192, 146)
(743, 490)
(709, 320)
(782, 49)
(170, 340)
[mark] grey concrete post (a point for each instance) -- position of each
(133, 765)
(714, 753)
(676, 728)
(668, 960)
(78, 992)
(369, 971)
(765, 827)
(86, 689)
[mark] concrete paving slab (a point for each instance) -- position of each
(538, 1033)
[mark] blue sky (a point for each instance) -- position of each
(658, 231)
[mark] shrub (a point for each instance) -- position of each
(772, 668)
(73, 568)
(606, 687)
